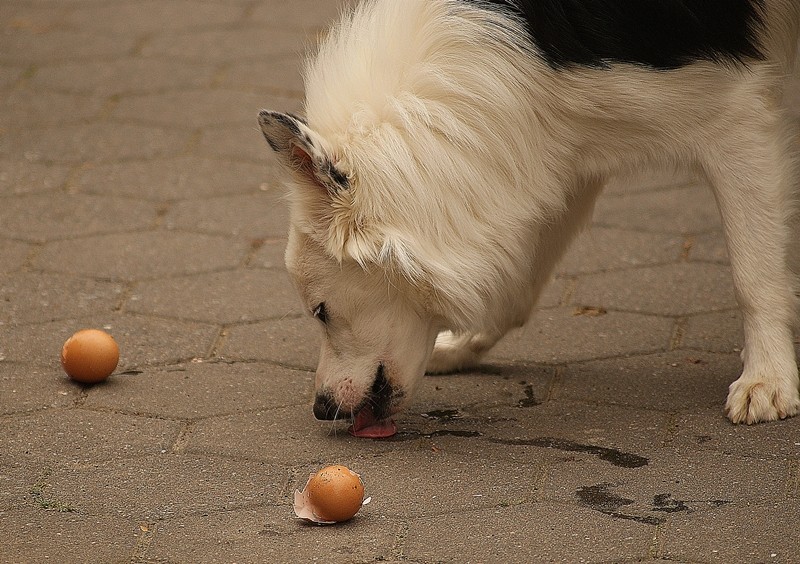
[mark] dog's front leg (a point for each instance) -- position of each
(751, 188)
(459, 351)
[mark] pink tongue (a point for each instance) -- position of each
(367, 426)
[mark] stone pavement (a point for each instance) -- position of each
(137, 195)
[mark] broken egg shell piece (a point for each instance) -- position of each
(303, 508)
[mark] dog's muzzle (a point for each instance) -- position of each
(379, 399)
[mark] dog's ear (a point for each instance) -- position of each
(302, 149)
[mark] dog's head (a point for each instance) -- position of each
(377, 332)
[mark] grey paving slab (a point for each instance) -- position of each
(272, 535)
(13, 254)
(563, 334)
(122, 19)
(142, 255)
(751, 533)
(232, 296)
(303, 14)
(46, 217)
(709, 430)
(255, 216)
(601, 249)
(20, 176)
(163, 486)
(241, 142)
(35, 297)
(78, 437)
(291, 341)
(201, 390)
(682, 289)
(680, 209)
(673, 382)
(25, 388)
(196, 108)
(173, 179)
(270, 254)
(127, 75)
(37, 535)
(223, 46)
(96, 142)
(27, 44)
(26, 108)
(541, 531)
(719, 332)
(260, 75)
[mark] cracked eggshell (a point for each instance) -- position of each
(332, 495)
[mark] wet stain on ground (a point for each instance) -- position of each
(530, 399)
(442, 414)
(598, 498)
(611, 455)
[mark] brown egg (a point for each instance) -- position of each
(332, 495)
(89, 356)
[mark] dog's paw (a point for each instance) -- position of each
(452, 353)
(755, 400)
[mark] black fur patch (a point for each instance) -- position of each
(662, 34)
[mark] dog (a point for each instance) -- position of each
(452, 149)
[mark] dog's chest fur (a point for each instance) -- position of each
(662, 34)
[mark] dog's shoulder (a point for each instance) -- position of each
(664, 34)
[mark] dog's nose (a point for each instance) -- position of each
(325, 408)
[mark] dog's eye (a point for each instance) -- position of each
(320, 313)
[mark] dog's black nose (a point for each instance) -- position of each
(325, 408)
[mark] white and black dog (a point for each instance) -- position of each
(451, 150)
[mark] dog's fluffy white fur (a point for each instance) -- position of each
(444, 167)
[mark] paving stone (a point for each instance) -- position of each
(36, 535)
(564, 334)
(272, 535)
(225, 297)
(601, 249)
(35, 297)
(680, 210)
(735, 533)
(280, 435)
(173, 179)
(19, 177)
(254, 216)
(122, 19)
(78, 437)
(682, 382)
(25, 388)
(36, 45)
(527, 533)
(709, 430)
(269, 255)
(672, 486)
(128, 75)
(164, 486)
(291, 341)
(143, 341)
(197, 108)
(241, 142)
(306, 15)
(667, 290)
(718, 332)
(224, 46)
(24, 108)
(13, 255)
(709, 247)
(191, 391)
(45, 217)
(260, 76)
(144, 255)
(95, 142)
